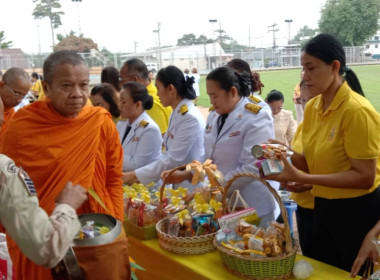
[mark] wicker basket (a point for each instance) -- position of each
(195, 245)
(267, 268)
(182, 245)
(143, 233)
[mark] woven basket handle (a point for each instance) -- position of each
(235, 198)
(288, 238)
(161, 204)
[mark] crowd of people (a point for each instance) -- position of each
(128, 129)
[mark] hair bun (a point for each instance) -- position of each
(245, 82)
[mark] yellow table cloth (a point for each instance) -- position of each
(160, 264)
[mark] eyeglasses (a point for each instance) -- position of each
(16, 94)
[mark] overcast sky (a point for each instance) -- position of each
(118, 24)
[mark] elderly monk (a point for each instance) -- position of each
(60, 139)
(13, 88)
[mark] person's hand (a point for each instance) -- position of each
(288, 174)
(297, 187)
(72, 195)
(367, 250)
(129, 177)
(176, 177)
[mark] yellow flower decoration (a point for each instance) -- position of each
(216, 205)
(184, 214)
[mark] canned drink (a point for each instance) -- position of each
(258, 151)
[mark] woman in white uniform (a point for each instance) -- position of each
(183, 141)
(240, 66)
(231, 131)
(140, 136)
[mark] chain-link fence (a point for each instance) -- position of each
(257, 58)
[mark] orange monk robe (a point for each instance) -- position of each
(8, 114)
(54, 150)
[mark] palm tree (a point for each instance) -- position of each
(44, 8)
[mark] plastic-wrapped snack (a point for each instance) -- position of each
(269, 151)
(268, 156)
(244, 228)
(87, 231)
(133, 214)
(277, 229)
(255, 243)
(231, 220)
(272, 246)
(140, 218)
(150, 216)
(174, 226)
(203, 224)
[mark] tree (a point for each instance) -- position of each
(187, 39)
(47, 8)
(3, 43)
(351, 21)
(191, 39)
(77, 44)
(305, 31)
(61, 37)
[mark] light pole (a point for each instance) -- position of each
(288, 21)
(274, 30)
(212, 21)
(79, 29)
(159, 44)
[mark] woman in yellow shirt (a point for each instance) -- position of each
(341, 147)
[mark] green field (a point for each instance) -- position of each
(285, 81)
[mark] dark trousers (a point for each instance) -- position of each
(305, 220)
(341, 225)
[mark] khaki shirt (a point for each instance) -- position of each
(42, 239)
(284, 126)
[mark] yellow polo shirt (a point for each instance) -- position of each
(303, 199)
(158, 113)
(349, 128)
(37, 86)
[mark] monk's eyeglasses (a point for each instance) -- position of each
(15, 94)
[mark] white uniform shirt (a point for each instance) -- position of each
(143, 143)
(257, 99)
(231, 151)
(43, 239)
(197, 80)
(183, 143)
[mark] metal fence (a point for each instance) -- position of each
(257, 58)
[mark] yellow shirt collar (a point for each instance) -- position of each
(342, 94)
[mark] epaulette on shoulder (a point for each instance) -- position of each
(254, 108)
(211, 108)
(255, 99)
(143, 123)
(183, 109)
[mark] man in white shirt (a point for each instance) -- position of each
(43, 239)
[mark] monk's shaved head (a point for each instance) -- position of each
(58, 58)
(15, 74)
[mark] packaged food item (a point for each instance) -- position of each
(244, 228)
(258, 242)
(268, 151)
(174, 226)
(231, 220)
(91, 230)
(268, 156)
